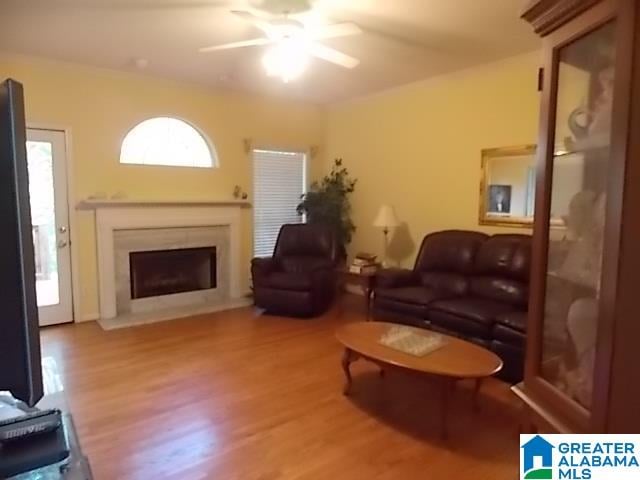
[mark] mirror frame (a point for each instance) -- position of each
(488, 154)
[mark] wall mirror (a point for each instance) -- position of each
(508, 186)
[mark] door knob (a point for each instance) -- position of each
(62, 244)
(62, 229)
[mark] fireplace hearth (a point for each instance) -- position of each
(164, 272)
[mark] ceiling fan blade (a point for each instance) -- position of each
(256, 42)
(332, 55)
(254, 20)
(336, 30)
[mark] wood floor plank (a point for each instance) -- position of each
(237, 395)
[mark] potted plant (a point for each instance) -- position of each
(327, 202)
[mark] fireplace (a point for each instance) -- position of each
(165, 272)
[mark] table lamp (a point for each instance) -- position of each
(386, 219)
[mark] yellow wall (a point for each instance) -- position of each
(100, 106)
(418, 148)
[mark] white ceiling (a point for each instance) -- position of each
(404, 40)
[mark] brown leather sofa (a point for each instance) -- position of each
(300, 278)
(467, 284)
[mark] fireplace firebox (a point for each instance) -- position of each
(165, 272)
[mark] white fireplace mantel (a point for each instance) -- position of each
(97, 204)
(130, 217)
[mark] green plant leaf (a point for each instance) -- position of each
(327, 202)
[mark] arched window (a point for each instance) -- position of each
(167, 141)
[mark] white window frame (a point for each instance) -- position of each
(305, 183)
(213, 153)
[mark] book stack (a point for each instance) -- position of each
(364, 264)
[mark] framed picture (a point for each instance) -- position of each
(500, 199)
(507, 186)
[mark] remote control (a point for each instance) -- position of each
(34, 423)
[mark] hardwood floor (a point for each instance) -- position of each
(235, 395)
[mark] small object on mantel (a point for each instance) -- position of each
(98, 196)
(238, 192)
(119, 195)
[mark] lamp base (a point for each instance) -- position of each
(385, 263)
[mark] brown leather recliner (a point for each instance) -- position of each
(300, 279)
(467, 284)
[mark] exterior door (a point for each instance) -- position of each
(46, 156)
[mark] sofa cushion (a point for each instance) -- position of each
(288, 281)
(509, 336)
(382, 312)
(513, 359)
(413, 295)
(515, 320)
(453, 283)
(381, 304)
(459, 326)
(395, 277)
(500, 289)
(505, 256)
(451, 251)
(477, 309)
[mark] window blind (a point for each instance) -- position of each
(279, 179)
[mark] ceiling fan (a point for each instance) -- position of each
(293, 42)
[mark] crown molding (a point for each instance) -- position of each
(548, 15)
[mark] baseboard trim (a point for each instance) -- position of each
(135, 320)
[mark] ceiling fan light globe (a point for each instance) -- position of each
(287, 60)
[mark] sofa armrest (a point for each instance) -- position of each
(262, 266)
(395, 277)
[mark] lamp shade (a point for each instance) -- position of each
(386, 217)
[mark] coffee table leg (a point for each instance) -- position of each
(347, 358)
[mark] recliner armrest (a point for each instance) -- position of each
(262, 266)
(323, 275)
(395, 277)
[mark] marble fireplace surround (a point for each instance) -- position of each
(113, 221)
(146, 239)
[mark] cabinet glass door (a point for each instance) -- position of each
(577, 212)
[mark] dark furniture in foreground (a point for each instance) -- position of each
(581, 373)
(300, 279)
(466, 284)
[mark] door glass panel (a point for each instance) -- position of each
(43, 219)
(578, 198)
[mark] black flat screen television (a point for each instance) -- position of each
(20, 363)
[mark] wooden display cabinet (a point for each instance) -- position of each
(583, 340)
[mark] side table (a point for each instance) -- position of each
(365, 280)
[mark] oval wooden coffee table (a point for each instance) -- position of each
(455, 360)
